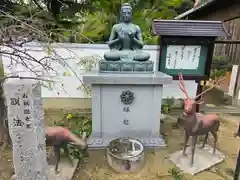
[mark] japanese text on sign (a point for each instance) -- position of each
(182, 57)
(26, 111)
(15, 101)
(17, 122)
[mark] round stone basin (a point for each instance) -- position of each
(125, 155)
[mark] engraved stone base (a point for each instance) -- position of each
(125, 105)
(103, 142)
(203, 159)
(123, 66)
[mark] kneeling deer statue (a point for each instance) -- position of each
(59, 137)
(196, 124)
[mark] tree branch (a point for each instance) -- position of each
(19, 31)
(24, 77)
(38, 5)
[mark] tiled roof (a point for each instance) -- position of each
(189, 28)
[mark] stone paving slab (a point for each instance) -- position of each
(66, 170)
(203, 159)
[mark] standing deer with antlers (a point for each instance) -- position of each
(196, 124)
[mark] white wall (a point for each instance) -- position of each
(72, 54)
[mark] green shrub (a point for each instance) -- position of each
(77, 124)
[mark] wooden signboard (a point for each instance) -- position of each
(187, 47)
(187, 58)
(190, 56)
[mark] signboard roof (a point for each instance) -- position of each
(189, 28)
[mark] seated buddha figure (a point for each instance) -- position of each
(125, 41)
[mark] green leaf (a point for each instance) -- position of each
(75, 132)
(50, 85)
(66, 34)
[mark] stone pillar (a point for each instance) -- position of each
(26, 129)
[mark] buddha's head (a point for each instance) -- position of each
(126, 13)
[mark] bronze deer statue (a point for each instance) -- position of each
(59, 137)
(196, 124)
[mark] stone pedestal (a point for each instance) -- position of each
(203, 159)
(125, 66)
(126, 105)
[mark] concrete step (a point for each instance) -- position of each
(226, 109)
(211, 108)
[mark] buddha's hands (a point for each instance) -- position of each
(131, 35)
(121, 34)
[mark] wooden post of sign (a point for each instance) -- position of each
(199, 90)
(237, 169)
(236, 95)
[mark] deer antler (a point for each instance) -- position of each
(219, 82)
(182, 85)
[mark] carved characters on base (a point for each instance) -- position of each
(127, 98)
(26, 129)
